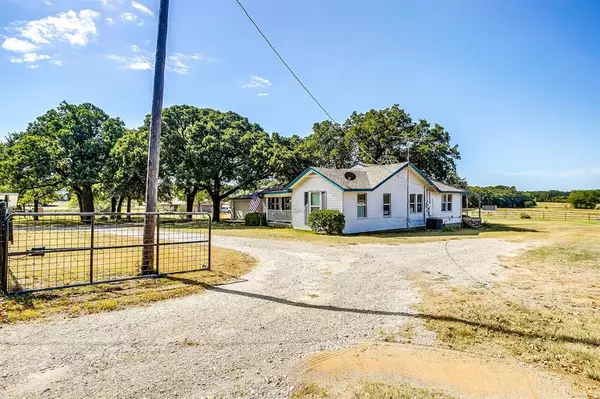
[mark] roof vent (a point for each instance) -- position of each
(350, 176)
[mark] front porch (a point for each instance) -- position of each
(279, 210)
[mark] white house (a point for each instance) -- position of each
(371, 197)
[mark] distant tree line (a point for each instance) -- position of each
(510, 197)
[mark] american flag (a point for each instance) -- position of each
(254, 203)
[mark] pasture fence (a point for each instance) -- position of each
(589, 215)
(41, 251)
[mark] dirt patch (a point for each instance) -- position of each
(455, 373)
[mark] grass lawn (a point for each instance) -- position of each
(227, 265)
(384, 237)
(546, 312)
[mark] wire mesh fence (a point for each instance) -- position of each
(54, 250)
(587, 215)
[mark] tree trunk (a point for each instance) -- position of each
(128, 209)
(113, 205)
(216, 207)
(87, 202)
(120, 206)
(36, 208)
(79, 201)
(189, 204)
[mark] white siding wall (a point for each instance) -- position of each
(375, 221)
(313, 183)
(453, 217)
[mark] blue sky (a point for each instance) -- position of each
(516, 83)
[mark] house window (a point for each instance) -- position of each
(361, 206)
(287, 203)
(446, 202)
(274, 203)
(314, 202)
(387, 205)
(416, 203)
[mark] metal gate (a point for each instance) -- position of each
(40, 251)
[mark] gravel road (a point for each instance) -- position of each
(242, 339)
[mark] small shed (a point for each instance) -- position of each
(243, 204)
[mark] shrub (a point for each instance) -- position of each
(525, 215)
(255, 219)
(449, 229)
(327, 221)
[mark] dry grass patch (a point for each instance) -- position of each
(227, 265)
(378, 390)
(545, 312)
(368, 390)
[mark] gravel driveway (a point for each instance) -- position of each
(242, 339)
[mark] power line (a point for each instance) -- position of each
(285, 63)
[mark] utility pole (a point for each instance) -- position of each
(408, 186)
(154, 140)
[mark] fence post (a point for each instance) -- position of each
(92, 224)
(565, 216)
(3, 247)
(209, 238)
(157, 243)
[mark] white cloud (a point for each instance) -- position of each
(110, 3)
(255, 81)
(116, 58)
(29, 58)
(33, 66)
(143, 60)
(48, 3)
(56, 62)
(262, 94)
(71, 27)
(140, 65)
(130, 17)
(18, 45)
(141, 8)
(109, 21)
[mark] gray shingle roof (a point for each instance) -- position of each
(367, 176)
(445, 187)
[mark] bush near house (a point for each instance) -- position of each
(255, 219)
(327, 221)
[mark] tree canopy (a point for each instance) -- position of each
(66, 147)
(385, 136)
(220, 152)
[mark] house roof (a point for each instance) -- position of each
(445, 188)
(370, 176)
(277, 188)
(367, 176)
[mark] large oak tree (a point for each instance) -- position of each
(219, 152)
(67, 147)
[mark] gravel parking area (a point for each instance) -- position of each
(243, 339)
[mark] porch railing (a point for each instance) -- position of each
(275, 215)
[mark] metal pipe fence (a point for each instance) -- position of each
(591, 215)
(41, 251)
